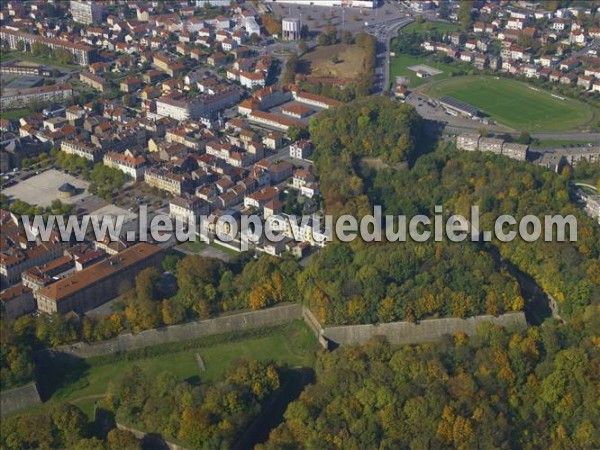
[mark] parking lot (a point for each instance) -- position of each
(350, 19)
(437, 113)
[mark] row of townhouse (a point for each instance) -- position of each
(14, 261)
(236, 156)
(81, 149)
(475, 142)
(165, 180)
(55, 93)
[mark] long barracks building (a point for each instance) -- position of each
(82, 54)
(98, 283)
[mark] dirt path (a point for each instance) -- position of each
(86, 397)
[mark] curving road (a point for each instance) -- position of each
(587, 186)
(384, 32)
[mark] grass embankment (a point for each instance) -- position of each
(83, 382)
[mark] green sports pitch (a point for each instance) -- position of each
(516, 104)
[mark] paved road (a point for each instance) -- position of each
(568, 136)
(562, 136)
(384, 34)
(571, 135)
(587, 186)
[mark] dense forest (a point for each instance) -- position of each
(406, 281)
(205, 417)
(498, 389)
(567, 271)
(209, 416)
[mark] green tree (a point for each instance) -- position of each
(62, 55)
(40, 50)
(465, 14)
(170, 263)
(296, 133)
(290, 69)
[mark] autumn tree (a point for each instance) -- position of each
(122, 439)
(145, 284)
(272, 24)
(198, 279)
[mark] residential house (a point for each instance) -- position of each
(301, 149)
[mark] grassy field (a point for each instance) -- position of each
(429, 27)
(194, 246)
(8, 56)
(318, 62)
(227, 250)
(514, 104)
(88, 380)
(16, 114)
(399, 66)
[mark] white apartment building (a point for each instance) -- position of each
(301, 230)
(127, 162)
(252, 27)
(273, 120)
(212, 3)
(301, 149)
(314, 99)
(57, 93)
(88, 152)
(188, 209)
(86, 12)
